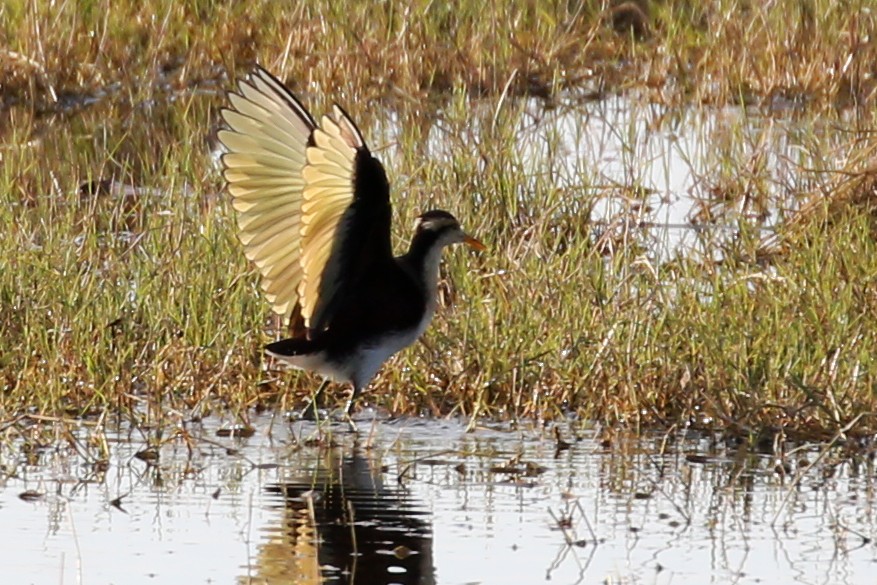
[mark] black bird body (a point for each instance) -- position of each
(363, 334)
(313, 209)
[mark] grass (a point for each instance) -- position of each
(121, 282)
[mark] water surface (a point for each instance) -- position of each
(414, 501)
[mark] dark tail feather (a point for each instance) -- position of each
(294, 346)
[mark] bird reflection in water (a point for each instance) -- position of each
(342, 524)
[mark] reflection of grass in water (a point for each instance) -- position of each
(139, 287)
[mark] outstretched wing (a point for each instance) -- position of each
(267, 137)
(345, 216)
(312, 203)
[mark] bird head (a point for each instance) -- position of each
(443, 228)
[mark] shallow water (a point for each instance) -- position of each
(669, 176)
(415, 501)
(428, 502)
(671, 179)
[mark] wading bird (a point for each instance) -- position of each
(313, 211)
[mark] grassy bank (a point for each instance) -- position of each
(816, 52)
(121, 282)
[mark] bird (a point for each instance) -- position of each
(313, 212)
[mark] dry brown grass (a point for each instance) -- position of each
(783, 53)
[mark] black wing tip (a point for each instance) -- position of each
(259, 71)
(277, 86)
(343, 111)
(362, 146)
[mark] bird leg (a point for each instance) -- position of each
(353, 396)
(357, 390)
(310, 411)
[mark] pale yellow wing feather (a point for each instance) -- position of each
(266, 142)
(328, 194)
(290, 198)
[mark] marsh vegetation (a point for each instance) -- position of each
(123, 288)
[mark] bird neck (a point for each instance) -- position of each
(423, 259)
